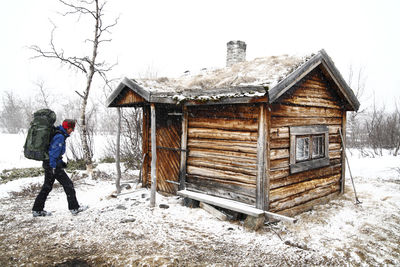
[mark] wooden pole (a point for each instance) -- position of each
(343, 137)
(153, 156)
(260, 197)
(118, 156)
(182, 171)
(267, 157)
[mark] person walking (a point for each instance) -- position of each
(54, 170)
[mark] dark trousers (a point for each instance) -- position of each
(49, 178)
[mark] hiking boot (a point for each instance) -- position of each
(80, 209)
(40, 213)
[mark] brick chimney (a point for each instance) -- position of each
(236, 52)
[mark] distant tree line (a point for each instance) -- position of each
(375, 129)
(16, 113)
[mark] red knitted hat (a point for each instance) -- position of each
(68, 124)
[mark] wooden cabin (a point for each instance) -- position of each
(261, 135)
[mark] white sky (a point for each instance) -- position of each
(170, 37)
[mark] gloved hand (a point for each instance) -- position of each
(63, 164)
(53, 171)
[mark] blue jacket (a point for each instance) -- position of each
(57, 147)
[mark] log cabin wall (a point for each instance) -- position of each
(311, 102)
(222, 157)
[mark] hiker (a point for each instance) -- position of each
(54, 169)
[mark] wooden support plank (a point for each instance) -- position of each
(343, 177)
(182, 169)
(261, 147)
(222, 202)
(153, 156)
(145, 144)
(213, 211)
(279, 217)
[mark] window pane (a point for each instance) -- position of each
(302, 147)
(318, 146)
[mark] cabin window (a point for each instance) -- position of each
(308, 147)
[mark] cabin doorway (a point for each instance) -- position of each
(168, 135)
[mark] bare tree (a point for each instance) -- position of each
(354, 123)
(12, 116)
(88, 65)
(43, 94)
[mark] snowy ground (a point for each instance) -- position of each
(125, 231)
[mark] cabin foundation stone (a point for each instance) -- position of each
(254, 223)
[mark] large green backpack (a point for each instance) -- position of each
(40, 133)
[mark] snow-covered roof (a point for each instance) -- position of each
(266, 72)
(269, 76)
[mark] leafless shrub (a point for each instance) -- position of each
(131, 138)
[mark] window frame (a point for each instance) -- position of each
(310, 131)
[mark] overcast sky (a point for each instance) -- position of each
(169, 37)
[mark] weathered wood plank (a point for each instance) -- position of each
(228, 145)
(208, 183)
(313, 90)
(213, 211)
(278, 179)
(221, 188)
(286, 121)
(282, 132)
(279, 163)
(153, 156)
(228, 175)
(225, 111)
(268, 159)
(304, 197)
(334, 146)
(222, 134)
(145, 145)
(278, 174)
(130, 98)
(212, 164)
(261, 168)
(280, 110)
(334, 129)
(249, 164)
(224, 203)
(279, 153)
(237, 156)
(283, 192)
(279, 143)
(334, 138)
(182, 167)
(335, 154)
(308, 205)
(224, 124)
(310, 101)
